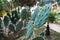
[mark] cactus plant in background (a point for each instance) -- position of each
(52, 17)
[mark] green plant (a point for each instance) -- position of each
(52, 17)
